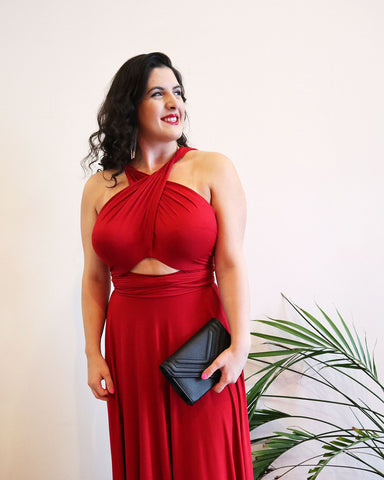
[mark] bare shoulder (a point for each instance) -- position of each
(97, 184)
(216, 166)
(93, 187)
(99, 179)
(212, 158)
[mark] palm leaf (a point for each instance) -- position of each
(369, 358)
(350, 336)
(298, 330)
(254, 394)
(260, 417)
(274, 447)
(338, 446)
(336, 329)
(361, 348)
(308, 338)
(280, 339)
(274, 353)
(332, 341)
(316, 324)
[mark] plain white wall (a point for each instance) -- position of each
(291, 91)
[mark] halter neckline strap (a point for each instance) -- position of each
(176, 156)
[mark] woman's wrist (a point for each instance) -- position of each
(92, 352)
(242, 344)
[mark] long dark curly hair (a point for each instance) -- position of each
(117, 117)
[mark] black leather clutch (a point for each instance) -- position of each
(183, 368)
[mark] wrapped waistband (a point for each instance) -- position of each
(151, 286)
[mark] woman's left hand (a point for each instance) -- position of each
(231, 363)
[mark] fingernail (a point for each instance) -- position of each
(111, 390)
(204, 376)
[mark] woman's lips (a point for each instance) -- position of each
(171, 119)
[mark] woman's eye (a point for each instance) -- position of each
(176, 92)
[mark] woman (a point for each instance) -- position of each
(161, 217)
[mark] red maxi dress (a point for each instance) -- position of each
(154, 435)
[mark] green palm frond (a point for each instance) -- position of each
(254, 394)
(357, 354)
(274, 447)
(263, 416)
(320, 345)
(321, 339)
(341, 445)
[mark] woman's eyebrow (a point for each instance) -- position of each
(162, 89)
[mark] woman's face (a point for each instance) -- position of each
(161, 113)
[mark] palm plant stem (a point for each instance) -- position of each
(358, 459)
(325, 382)
(329, 434)
(303, 464)
(322, 382)
(334, 402)
(365, 410)
(320, 437)
(317, 380)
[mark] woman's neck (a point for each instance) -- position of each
(150, 158)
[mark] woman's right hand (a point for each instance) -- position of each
(98, 370)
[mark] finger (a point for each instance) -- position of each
(98, 396)
(222, 383)
(109, 383)
(225, 379)
(211, 369)
(219, 387)
(100, 390)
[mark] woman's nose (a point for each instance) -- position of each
(171, 101)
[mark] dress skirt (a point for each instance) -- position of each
(154, 434)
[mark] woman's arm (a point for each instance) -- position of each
(229, 203)
(96, 286)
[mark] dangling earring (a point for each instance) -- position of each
(133, 144)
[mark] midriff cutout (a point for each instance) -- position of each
(152, 266)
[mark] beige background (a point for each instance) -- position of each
(291, 91)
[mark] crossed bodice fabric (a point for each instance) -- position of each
(154, 217)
